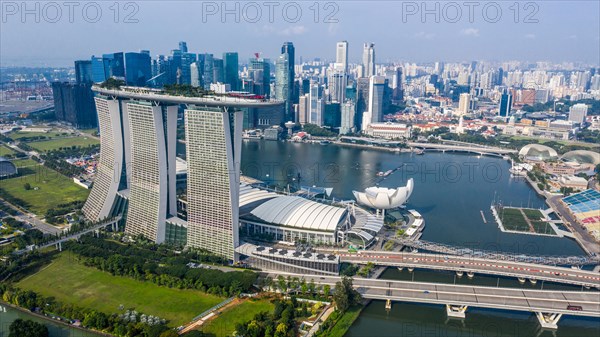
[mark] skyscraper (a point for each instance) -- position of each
(282, 85)
(137, 69)
(368, 60)
(74, 104)
(316, 104)
(218, 70)
(186, 61)
(506, 101)
(337, 82)
(116, 65)
(231, 69)
(83, 71)
(259, 72)
(288, 48)
(136, 167)
(464, 104)
(183, 47)
(303, 109)
(578, 112)
(347, 123)
(195, 77)
(341, 56)
(374, 112)
(208, 75)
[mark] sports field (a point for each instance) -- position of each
(53, 189)
(71, 282)
(224, 324)
(518, 219)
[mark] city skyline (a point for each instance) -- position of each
(397, 34)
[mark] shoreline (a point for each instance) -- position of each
(56, 322)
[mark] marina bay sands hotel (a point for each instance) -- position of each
(136, 171)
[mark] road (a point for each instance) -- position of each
(546, 301)
(581, 234)
(30, 218)
(478, 266)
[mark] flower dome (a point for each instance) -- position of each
(384, 198)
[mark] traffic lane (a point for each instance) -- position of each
(485, 265)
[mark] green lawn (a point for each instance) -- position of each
(58, 143)
(53, 189)
(71, 282)
(345, 322)
(513, 220)
(18, 135)
(25, 162)
(224, 324)
(5, 151)
(533, 214)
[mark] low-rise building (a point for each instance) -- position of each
(388, 130)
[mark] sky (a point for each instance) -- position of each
(56, 34)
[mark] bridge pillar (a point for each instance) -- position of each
(548, 320)
(456, 311)
(59, 246)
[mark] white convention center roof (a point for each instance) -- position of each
(298, 212)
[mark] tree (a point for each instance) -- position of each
(169, 333)
(344, 295)
(326, 290)
(27, 186)
(27, 328)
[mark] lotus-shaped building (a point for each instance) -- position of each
(384, 198)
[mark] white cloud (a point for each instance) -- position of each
(530, 36)
(294, 30)
(424, 36)
(289, 31)
(474, 32)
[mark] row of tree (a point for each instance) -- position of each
(89, 318)
(161, 266)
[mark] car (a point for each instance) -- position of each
(574, 307)
(426, 292)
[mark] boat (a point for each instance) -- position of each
(324, 142)
(419, 152)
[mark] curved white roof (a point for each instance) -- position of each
(384, 198)
(538, 151)
(298, 212)
(582, 157)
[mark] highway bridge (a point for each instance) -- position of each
(491, 255)
(548, 305)
(113, 223)
(473, 265)
(470, 148)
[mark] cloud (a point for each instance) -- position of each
(529, 36)
(473, 32)
(289, 31)
(424, 36)
(294, 30)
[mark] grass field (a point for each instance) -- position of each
(18, 135)
(4, 151)
(224, 324)
(513, 219)
(71, 282)
(345, 322)
(58, 143)
(25, 162)
(53, 189)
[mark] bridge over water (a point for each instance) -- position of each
(547, 305)
(471, 148)
(474, 265)
(492, 255)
